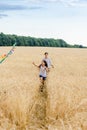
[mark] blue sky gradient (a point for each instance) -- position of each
(66, 19)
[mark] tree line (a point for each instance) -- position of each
(9, 40)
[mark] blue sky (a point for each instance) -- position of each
(66, 19)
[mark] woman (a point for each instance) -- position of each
(43, 70)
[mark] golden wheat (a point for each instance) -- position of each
(62, 105)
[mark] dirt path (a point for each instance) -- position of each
(39, 110)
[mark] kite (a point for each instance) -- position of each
(4, 56)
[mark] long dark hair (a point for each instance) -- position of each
(45, 63)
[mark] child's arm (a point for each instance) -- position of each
(35, 65)
(52, 66)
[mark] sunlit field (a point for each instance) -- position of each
(63, 103)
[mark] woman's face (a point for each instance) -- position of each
(43, 63)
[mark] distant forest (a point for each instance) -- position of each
(9, 40)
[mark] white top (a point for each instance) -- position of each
(48, 62)
(43, 71)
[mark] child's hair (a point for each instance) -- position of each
(45, 63)
(46, 53)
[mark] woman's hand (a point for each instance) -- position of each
(33, 63)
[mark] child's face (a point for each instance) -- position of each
(46, 55)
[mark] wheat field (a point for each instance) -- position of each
(63, 103)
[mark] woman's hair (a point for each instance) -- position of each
(45, 63)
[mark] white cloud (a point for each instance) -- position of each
(81, 3)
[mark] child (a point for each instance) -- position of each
(43, 70)
(47, 59)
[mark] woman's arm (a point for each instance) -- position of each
(35, 65)
(47, 69)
